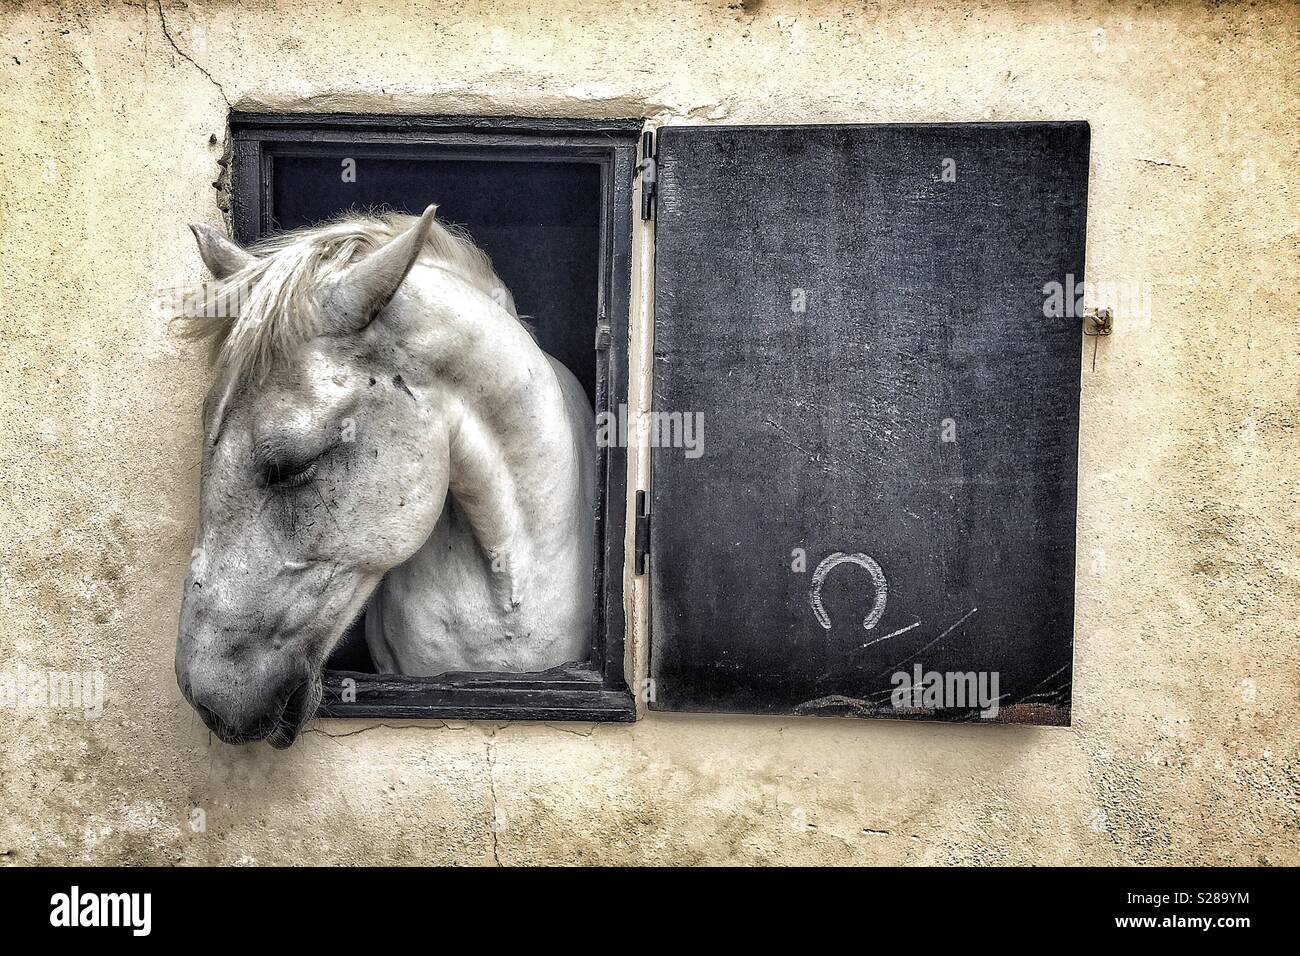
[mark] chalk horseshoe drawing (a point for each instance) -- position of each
(832, 561)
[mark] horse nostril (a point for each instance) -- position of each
(213, 722)
(295, 704)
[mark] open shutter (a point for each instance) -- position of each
(890, 419)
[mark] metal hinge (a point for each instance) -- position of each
(603, 333)
(648, 170)
(641, 537)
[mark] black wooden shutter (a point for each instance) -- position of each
(836, 301)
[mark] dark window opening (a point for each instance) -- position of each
(539, 222)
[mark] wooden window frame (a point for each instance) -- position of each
(596, 690)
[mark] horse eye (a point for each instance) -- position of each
(291, 475)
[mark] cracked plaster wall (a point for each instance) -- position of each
(1184, 742)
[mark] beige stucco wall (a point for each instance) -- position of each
(1184, 744)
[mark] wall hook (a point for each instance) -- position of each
(1098, 321)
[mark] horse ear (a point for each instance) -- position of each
(222, 257)
(369, 285)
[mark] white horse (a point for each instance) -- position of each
(382, 428)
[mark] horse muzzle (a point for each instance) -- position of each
(266, 697)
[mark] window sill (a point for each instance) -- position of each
(568, 692)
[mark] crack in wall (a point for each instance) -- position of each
(577, 733)
(494, 823)
(496, 820)
(440, 725)
(162, 19)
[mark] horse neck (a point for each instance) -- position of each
(511, 434)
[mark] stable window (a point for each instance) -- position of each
(551, 204)
(865, 409)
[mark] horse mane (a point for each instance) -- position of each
(268, 309)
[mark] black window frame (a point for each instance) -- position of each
(598, 689)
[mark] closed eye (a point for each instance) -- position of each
(294, 476)
(289, 458)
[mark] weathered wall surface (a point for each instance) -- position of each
(1184, 746)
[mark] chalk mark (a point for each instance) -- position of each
(911, 657)
(832, 561)
(901, 630)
